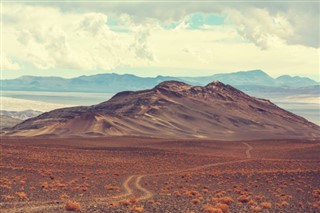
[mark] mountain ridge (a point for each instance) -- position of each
(173, 109)
(112, 83)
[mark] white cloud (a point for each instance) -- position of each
(49, 38)
(8, 64)
(140, 45)
(301, 16)
(221, 49)
(72, 41)
(264, 29)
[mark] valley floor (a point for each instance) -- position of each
(132, 174)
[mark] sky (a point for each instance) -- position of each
(150, 38)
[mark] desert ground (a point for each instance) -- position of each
(134, 174)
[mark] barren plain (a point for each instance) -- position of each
(140, 174)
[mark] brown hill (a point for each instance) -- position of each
(174, 109)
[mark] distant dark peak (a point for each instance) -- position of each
(256, 72)
(289, 77)
(173, 85)
(285, 76)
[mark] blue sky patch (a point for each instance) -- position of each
(197, 20)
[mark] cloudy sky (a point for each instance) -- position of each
(150, 38)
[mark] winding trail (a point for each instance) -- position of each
(132, 188)
(147, 194)
(248, 150)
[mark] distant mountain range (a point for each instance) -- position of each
(254, 82)
(254, 77)
(107, 83)
(176, 110)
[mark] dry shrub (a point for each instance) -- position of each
(62, 185)
(151, 202)
(133, 200)
(244, 198)
(22, 195)
(7, 197)
(111, 188)
(45, 185)
(260, 197)
(125, 202)
(5, 187)
(177, 193)
(64, 196)
(205, 191)
(256, 209)
(210, 209)
(266, 205)
(284, 204)
(195, 201)
(137, 208)
(191, 193)
(316, 193)
(74, 181)
(72, 206)
(113, 204)
(316, 205)
(252, 202)
(226, 200)
(215, 199)
(223, 207)
(220, 193)
(299, 190)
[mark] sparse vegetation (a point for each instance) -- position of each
(42, 174)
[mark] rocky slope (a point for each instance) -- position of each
(174, 109)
